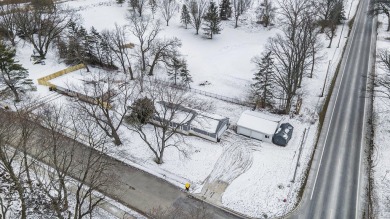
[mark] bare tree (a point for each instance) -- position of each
(42, 25)
(197, 8)
(8, 26)
(112, 95)
(56, 150)
(163, 50)
(381, 7)
(67, 158)
(266, 13)
(293, 50)
(164, 107)
(153, 7)
(146, 31)
(324, 8)
(8, 160)
(335, 16)
(151, 50)
(27, 128)
(138, 6)
(90, 169)
(168, 9)
(120, 46)
(240, 7)
(21, 195)
(384, 80)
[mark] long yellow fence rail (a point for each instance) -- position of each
(45, 80)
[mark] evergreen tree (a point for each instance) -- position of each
(185, 16)
(13, 75)
(174, 69)
(263, 85)
(142, 111)
(337, 13)
(120, 1)
(225, 10)
(185, 74)
(212, 23)
(97, 48)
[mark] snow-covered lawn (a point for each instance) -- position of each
(382, 132)
(256, 176)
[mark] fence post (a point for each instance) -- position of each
(299, 156)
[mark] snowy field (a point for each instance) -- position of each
(248, 176)
(382, 131)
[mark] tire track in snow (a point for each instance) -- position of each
(235, 160)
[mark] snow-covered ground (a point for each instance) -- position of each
(382, 131)
(106, 209)
(248, 176)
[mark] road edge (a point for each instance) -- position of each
(367, 139)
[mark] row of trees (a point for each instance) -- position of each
(132, 109)
(293, 54)
(39, 24)
(90, 48)
(198, 13)
(32, 190)
(109, 48)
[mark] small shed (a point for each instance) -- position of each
(283, 134)
(257, 125)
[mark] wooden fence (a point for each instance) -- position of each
(45, 80)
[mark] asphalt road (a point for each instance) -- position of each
(335, 188)
(129, 186)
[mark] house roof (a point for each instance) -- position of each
(180, 116)
(258, 122)
(207, 122)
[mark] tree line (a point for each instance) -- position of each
(29, 188)
(292, 55)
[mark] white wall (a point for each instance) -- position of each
(254, 134)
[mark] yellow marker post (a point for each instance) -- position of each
(187, 186)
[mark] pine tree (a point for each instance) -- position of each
(225, 10)
(120, 1)
(185, 74)
(185, 16)
(142, 111)
(13, 75)
(337, 13)
(263, 85)
(212, 23)
(174, 69)
(93, 46)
